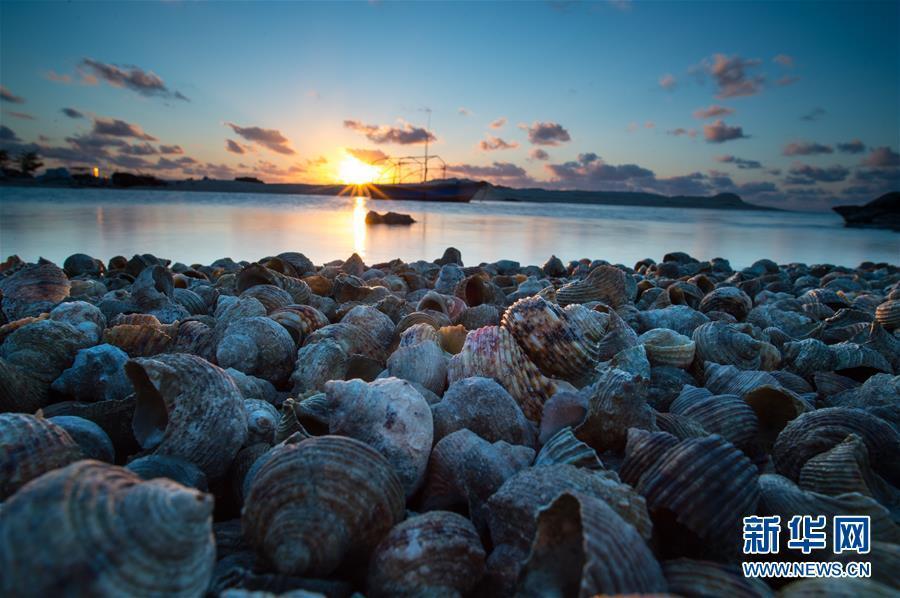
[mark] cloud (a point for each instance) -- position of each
(815, 114)
(881, 157)
(682, 131)
(54, 76)
(806, 148)
(831, 174)
(495, 143)
(403, 135)
(114, 127)
(7, 134)
(851, 147)
(138, 149)
(8, 96)
(72, 113)
(538, 154)
(649, 125)
(589, 171)
(463, 111)
(132, 77)
(234, 147)
(170, 149)
(784, 60)
(712, 112)
(668, 82)
(314, 94)
(503, 173)
(368, 156)
(786, 80)
(732, 75)
(547, 133)
(739, 162)
(886, 175)
(22, 115)
(268, 138)
(719, 132)
(498, 124)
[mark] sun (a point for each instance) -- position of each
(353, 171)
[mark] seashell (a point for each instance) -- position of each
(184, 472)
(689, 577)
(479, 316)
(593, 324)
(319, 284)
(478, 289)
(730, 300)
(114, 417)
(196, 338)
(299, 320)
(189, 408)
(492, 352)
(729, 380)
(314, 503)
(612, 556)
(91, 439)
(829, 297)
(452, 338)
(829, 383)
(858, 361)
(318, 363)
(450, 305)
(564, 447)
(680, 318)
(448, 279)
(792, 382)
(256, 274)
(633, 361)
(817, 431)
(297, 261)
(844, 468)
(436, 553)
(616, 402)
(352, 339)
(84, 317)
(774, 407)
(350, 288)
(153, 292)
(262, 418)
(723, 343)
(81, 519)
(419, 333)
(839, 588)
(887, 314)
(97, 374)
(79, 264)
(878, 395)
(706, 484)
(43, 349)
(726, 415)
(885, 559)
(376, 323)
(424, 362)
(11, 327)
(642, 450)
(485, 408)
(680, 426)
(554, 267)
(191, 301)
(619, 336)
(389, 415)
(257, 346)
(666, 383)
(451, 255)
(141, 340)
(605, 283)
(32, 446)
(33, 289)
(564, 409)
(19, 392)
(667, 348)
(885, 343)
(271, 296)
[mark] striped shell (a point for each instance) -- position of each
(299, 320)
(724, 343)
(33, 289)
(727, 415)
(730, 300)
(32, 446)
(642, 450)
(145, 339)
(564, 447)
(888, 314)
(492, 352)
(607, 284)
(257, 346)
(667, 347)
(312, 504)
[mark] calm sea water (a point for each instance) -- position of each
(200, 227)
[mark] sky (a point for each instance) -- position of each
(788, 104)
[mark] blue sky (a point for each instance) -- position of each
(594, 95)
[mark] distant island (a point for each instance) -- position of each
(883, 212)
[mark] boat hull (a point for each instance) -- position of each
(445, 192)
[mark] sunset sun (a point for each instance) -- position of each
(353, 171)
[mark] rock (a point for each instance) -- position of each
(374, 217)
(883, 212)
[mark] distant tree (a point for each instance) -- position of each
(4, 158)
(29, 162)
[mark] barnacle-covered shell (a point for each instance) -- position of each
(182, 471)
(436, 553)
(91, 439)
(32, 446)
(605, 283)
(564, 447)
(102, 530)
(730, 300)
(299, 320)
(720, 342)
(605, 554)
(556, 346)
(707, 484)
(817, 431)
(667, 347)
(888, 314)
(262, 418)
(311, 504)
(391, 416)
(98, 374)
(189, 408)
(424, 362)
(492, 352)
(33, 289)
(257, 346)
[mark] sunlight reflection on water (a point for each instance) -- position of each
(201, 227)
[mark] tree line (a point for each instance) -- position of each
(25, 164)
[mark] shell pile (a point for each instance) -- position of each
(432, 429)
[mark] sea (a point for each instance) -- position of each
(200, 227)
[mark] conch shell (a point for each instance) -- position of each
(311, 504)
(102, 530)
(33, 289)
(32, 446)
(188, 408)
(257, 346)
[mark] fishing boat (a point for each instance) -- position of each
(456, 191)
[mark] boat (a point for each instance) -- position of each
(444, 191)
(883, 212)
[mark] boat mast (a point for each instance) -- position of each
(427, 136)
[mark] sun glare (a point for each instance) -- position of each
(353, 171)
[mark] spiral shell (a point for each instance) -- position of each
(100, 529)
(667, 347)
(724, 343)
(33, 289)
(448, 279)
(299, 320)
(257, 346)
(888, 314)
(391, 416)
(556, 346)
(262, 419)
(437, 553)
(377, 324)
(449, 305)
(729, 380)
(312, 504)
(730, 300)
(485, 408)
(32, 446)
(479, 316)
(144, 339)
(317, 364)
(607, 284)
(616, 402)
(478, 289)
(188, 408)
(97, 374)
(87, 319)
(353, 339)
(424, 362)
(619, 336)
(612, 556)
